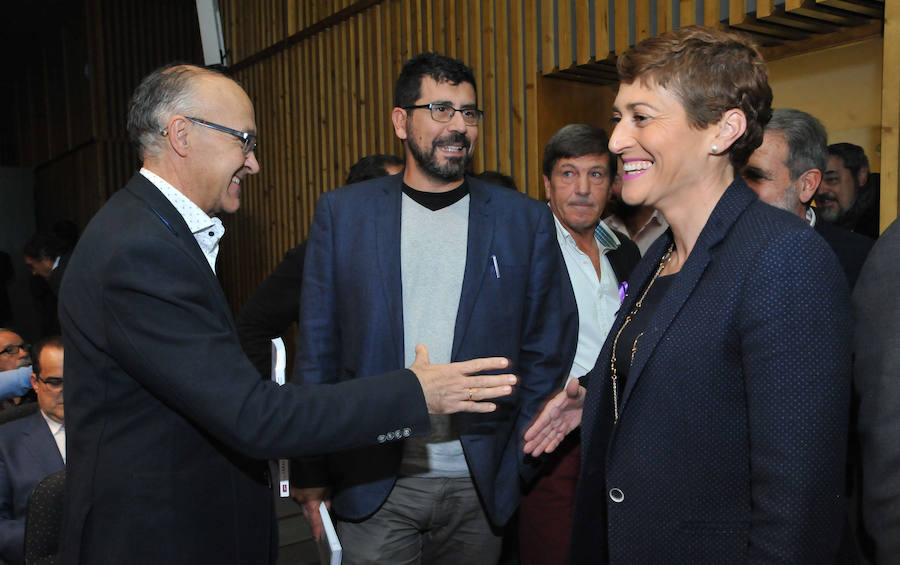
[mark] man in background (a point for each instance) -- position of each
(47, 255)
(786, 171)
(849, 195)
(31, 447)
(578, 170)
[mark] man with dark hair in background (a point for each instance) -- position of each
(275, 303)
(849, 195)
(47, 255)
(578, 170)
(31, 447)
(436, 257)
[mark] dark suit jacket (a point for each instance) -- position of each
(876, 312)
(167, 419)
(56, 275)
(271, 309)
(732, 431)
(622, 260)
(28, 453)
(851, 248)
(351, 324)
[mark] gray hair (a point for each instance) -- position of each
(806, 140)
(166, 91)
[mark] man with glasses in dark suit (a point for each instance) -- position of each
(31, 447)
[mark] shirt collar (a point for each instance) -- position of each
(53, 424)
(604, 236)
(207, 230)
(196, 219)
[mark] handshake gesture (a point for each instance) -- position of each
(451, 388)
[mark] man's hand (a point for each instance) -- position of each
(309, 500)
(450, 388)
(561, 415)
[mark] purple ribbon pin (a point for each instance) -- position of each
(623, 290)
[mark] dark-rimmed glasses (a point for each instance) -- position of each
(444, 113)
(248, 139)
(52, 382)
(14, 348)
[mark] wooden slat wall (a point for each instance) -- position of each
(890, 116)
(321, 73)
(324, 96)
(76, 93)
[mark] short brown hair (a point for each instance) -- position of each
(710, 71)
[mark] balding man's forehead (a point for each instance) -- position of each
(7, 337)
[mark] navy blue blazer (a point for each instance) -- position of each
(351, 325)
(167, 420)
(731, 440)
(28, 453)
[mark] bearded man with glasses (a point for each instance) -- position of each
(431, 256)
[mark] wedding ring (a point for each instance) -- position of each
(470, 395)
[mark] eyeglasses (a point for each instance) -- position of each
(52, 382)
(247, 139)
(444, 113)
(14, 348)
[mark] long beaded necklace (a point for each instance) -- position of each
(614, 375)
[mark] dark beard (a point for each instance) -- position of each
(453, 169)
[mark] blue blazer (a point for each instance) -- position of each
(168, 423)
(28, 453)
(731, 440)
(351, 324)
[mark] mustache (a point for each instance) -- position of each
(825, 198)
(452, 139)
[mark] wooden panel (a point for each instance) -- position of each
(663, 16)
(502, 93)
(488, 89)
(601, 30)
(547, 29)
(641, 21)
(582, 33)
(564, 33)
(532, 184)
(688, 12)
(890, 116)
(711, 13)
(622, 26)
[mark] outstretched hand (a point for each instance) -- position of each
(561, 415)
(452, 387)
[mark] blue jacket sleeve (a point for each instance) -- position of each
(15, 382)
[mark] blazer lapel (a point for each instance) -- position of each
(478, 257)
(167, 215)
(730, 206)
(386, 224)
(40, 443)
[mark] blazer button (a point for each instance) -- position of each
(406, 432)
(616, 495)
(381, 438)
